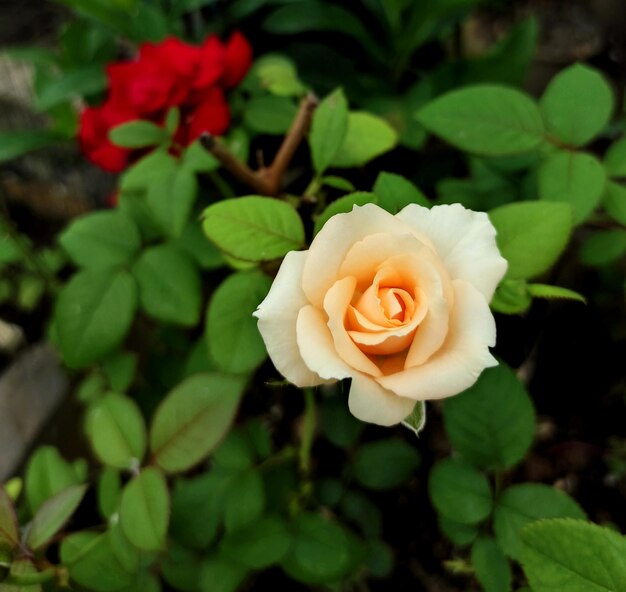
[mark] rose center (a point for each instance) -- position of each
(394, 303)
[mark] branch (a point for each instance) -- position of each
(266, 180)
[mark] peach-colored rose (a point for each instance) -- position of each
(399, 304)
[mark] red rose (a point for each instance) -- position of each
(211, 63)
(93, 136)
(237, 61)
(211, 116)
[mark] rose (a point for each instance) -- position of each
(168, 74)
(399, 304)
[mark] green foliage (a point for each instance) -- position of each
(320, 550)
(367, 137)
(492, 424)
(488, 120)
(117, 431)
(14, 144)
(270, 114)
(9, 526)
(342, 205)
(615, 159)
(93, 314)
(254, 228)
(52, 515)
(166, 300)
(531, 236)
(232, 335)
(138, 134)
(491, 566)
(328, 129)
(395, 193)
(192, 419)
(575, 178)
(522, 504)
(144, 510)
(385, 464)
(278, 75)
(604, 247)
(101, 240)
(577, 105)
(557, 555)
(459, 492)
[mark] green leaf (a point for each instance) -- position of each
(73, 83)
(119, 370)
(319, 552)
(521, 504)
(93, 314)
(491, 566)
(109, 492)
(232, 334)
(169, 285)
(244, 501)
(576, 178)
(192, 419)
(573, 555)
(181, 568)
(385, 464)
(342, 205)
(511, 297)
(319, 16)
(254, 228)
(193, 242)
(172, 120)
(531, 235)
(101, 240)
(459, 492)
(603, 247)
(220, 574)
(14, 144)
(380, 562)
(338, 424)
(52, 515)
(577, 105)
(150, 169)
(278, 75)
(92, 563)
(367, 137)
(614, 159)
(47, 474)
(145, 510)
(171, 200)
(117, 432)
(486, 119)
(357, 508)
(396, 192)
(459, 534)
(328, 129)
(9, 526)
(492, 424)
(615, 202)
(270, 114)
(337, 183)
(554, 292)
(138, 134)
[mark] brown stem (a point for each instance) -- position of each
(266, 180)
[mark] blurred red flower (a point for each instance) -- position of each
(168, 74)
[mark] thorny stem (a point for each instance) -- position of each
(266, 180)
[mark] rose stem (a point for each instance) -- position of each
(266, 180)
(298, 130)
(231, 163)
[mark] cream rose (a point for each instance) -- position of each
(399, 304)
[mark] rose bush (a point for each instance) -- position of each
(399, 304)
(165, 75)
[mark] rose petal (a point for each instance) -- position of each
(462, 357)
(336, 306)
(329, 248)
(277, 316)
(316, 345)
(368, 401)
(465, 240)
